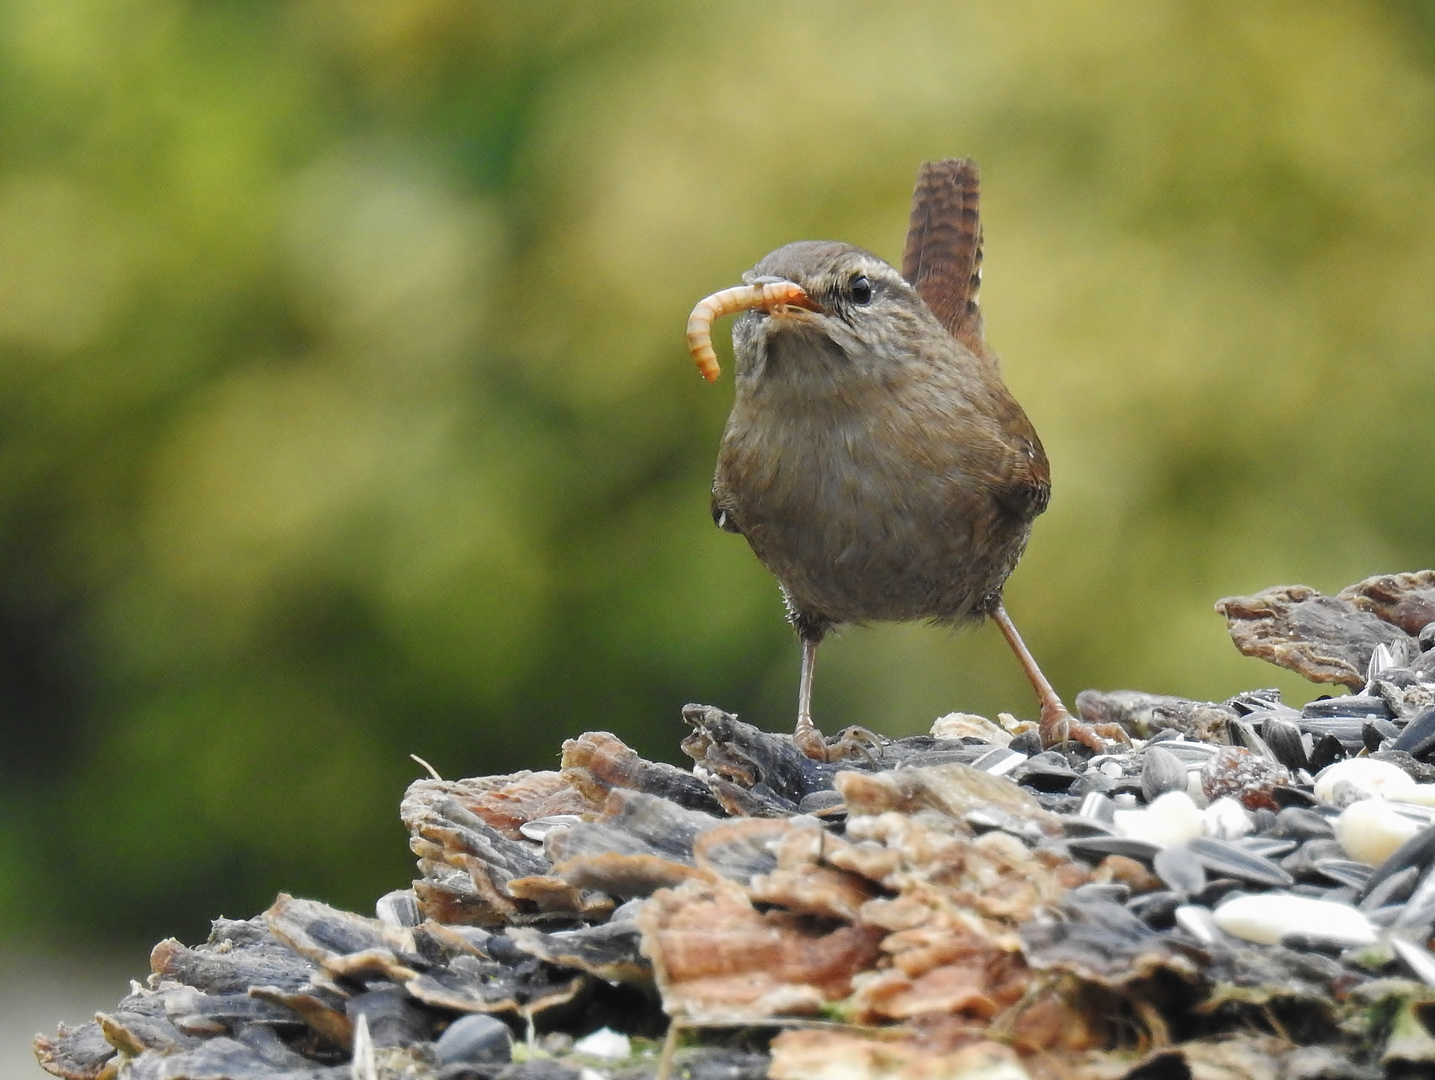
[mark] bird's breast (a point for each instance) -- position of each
(860, 514)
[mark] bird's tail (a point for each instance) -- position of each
(943, 256)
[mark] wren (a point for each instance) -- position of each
(874, 459)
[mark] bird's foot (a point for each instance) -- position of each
(850, 742)
(1058, 725)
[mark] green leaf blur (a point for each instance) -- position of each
(345, 411)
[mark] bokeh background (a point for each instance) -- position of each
(345, 411)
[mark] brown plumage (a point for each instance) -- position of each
(874, 459)
(943, 255)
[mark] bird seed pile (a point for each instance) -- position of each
(1246, 890)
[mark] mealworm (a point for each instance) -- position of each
(766, 296)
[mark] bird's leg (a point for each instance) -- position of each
(806, 737)
(1057, 724)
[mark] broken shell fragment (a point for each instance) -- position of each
(1406, 600)
(1324, 638)
(916, 892)
(836, 1055)
(717, 958)
(1249, 778)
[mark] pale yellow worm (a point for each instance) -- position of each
(764, 297)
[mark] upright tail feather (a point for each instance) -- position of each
(943, 256)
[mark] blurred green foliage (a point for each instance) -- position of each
(345, 412)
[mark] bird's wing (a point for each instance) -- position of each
(943, 262)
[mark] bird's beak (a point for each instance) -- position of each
(774, 295)
(796, 298)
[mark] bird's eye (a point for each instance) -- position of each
(861, 290)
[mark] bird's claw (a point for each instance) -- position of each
(1058, 725)
(850, 742)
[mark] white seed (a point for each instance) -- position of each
(1268, 917)
(1226, 819)
(1194, 788)
(1364, 774)
(604, 1043)
(1419, 795)
(1371, 829)
(1171, 820)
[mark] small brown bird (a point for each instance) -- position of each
(874, 459)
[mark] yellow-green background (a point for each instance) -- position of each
(345, 411)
